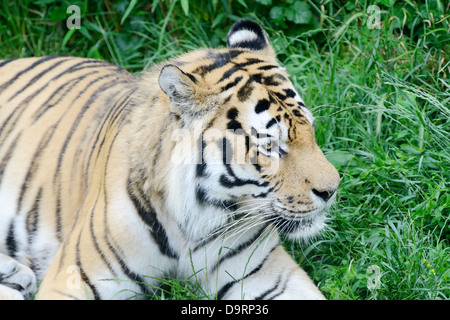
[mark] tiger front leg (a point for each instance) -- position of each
(279, 277)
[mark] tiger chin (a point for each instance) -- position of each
(110, 181)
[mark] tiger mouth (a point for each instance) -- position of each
(310, 223)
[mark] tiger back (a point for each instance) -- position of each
(111, 181)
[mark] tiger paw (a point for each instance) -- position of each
(7, 293)
(17, 281)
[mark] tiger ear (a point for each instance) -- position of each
(180, 87)
(176, 84)
(248, 34)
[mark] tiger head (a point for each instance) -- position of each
(247, 142)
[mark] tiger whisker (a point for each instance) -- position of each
(244, 226)
(240, 226)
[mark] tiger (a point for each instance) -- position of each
(197, 168)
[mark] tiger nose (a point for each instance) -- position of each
(324, 195)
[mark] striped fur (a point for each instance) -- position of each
(109, 181)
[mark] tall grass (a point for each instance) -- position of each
(383, 107)
(381, 98)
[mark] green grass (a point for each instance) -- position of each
(381, 98)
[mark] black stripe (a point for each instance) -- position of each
(193, 78)
(220, 60)
(15, 116)
(94, 96)
(262, 194)
(297, 113)
(94, 239)
(256, 44)
(18, 111)
(32, 167)
(268, 67)
(278, 95)
(137, 279)
(7, 156)
(200, 170)
(204, 199)
(11, 244)
(234, 125)
(28, 69)
(228, 74)
(231, 84)
(157, 150)
(232, 113)
(71, 85)
(71, 70)
(223, 291)
(289, 93)
(148, 215)
(33, 217)
(269, 291)
(46, 106)
(200, 195)
(256, 269)
(238, 67)
(208, 239)
(58, 217)
(246, 90)
(37, 77)
(281, 290)
(83, 274)
(108, 120)
(262, 105)
(84, 65)
(242, 247)
(5, 62)
(249, 62)
(273, 122)
(275, 80)
(300, 105)
(232, 180)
